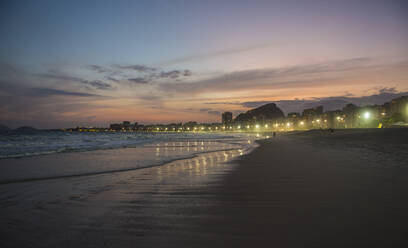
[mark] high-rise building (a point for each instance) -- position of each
(226, 118)
(126, 124)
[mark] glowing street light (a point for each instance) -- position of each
(367, 115)
(247, 126)
(238, 127)
(288, 124)
(302, 123)
(256, 126)
(266, 125)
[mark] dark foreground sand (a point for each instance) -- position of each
(311, 189)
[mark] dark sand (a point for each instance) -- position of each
(311, 189)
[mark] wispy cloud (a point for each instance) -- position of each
(269, 77)
(97, 84)
(112, 79)
(138, 68)
(209, 55)
(139, 80)
(45, 92)
(137, 74)
(163, 75)
(97, 68)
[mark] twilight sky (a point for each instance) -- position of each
(69, 63)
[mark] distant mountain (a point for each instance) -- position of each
(4, 128)
(25, 129)
(265, 112)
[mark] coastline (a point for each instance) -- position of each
(307, 189)
(106, 161)
(64, 211)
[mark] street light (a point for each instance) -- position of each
(367, 115)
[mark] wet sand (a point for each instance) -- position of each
(310, 189)
(316, 189)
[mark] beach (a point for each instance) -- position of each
(300, 189)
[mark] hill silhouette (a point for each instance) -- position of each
(265, 112)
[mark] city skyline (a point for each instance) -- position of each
(71, 63)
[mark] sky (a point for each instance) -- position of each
(91, 63)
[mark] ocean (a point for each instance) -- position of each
(23, 156)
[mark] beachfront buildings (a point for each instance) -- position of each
(124, 126)
(399, 106)
(226, 118)
(270, 118)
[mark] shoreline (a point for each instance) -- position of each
(298, 190)
(96, 162)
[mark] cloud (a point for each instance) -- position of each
(187, 73)
(163, 75)
(139, 74)
(97, 84)
(269, 77)
(113, 79)
(169, 74)
(209, 55)
(139, 80)
(138, 68)
(97, 68)
(388, 90)
(14, 89)
(45, 92)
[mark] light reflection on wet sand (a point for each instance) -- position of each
(121, 205)
(91, 162)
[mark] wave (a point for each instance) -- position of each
(45, 143)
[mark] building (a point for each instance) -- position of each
(126, 125)
(226, 118)
(400, 106)
(309, 115)
(115, 126)
(350, 114)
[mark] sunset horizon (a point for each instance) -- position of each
(192, 63)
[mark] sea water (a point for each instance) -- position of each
(55, 154)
